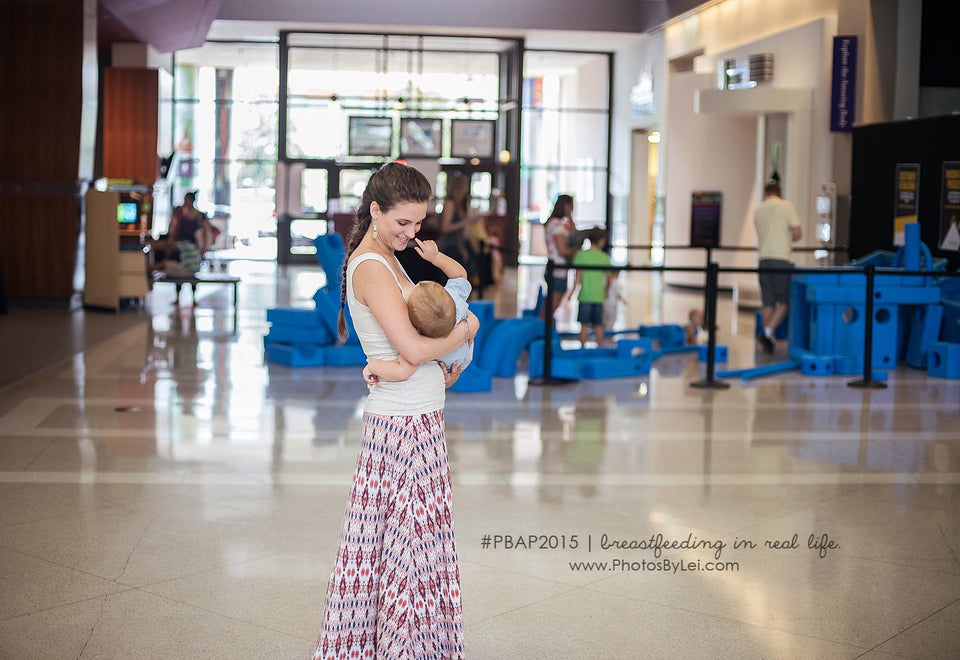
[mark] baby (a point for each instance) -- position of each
(434, 311)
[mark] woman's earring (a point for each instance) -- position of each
(374, 230)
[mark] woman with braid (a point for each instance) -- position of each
(394, 591)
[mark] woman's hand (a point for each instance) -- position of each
(450, 377)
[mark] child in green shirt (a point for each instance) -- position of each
(592, 285)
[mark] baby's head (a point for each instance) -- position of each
(432, 310)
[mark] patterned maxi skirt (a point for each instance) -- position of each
(394, 591)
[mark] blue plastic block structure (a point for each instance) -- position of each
(295, 355)
(840, 329)
(630, 357)
(505, 342)
(347, 355)
(666, 335)
(882, 293)
(719, 352)
(671, 350)
(561, 366)
(847, 365)
(291, 334)
(944, 360)
(473, 379)
(289, 316)
(599, 368)
(759, 371)
(950, 325)
(330, 253)
(640, 351)
(816, 365)
(924, 329)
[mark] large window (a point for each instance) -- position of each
(355, 101)
(565, 136)
(343, 104)
(341, 88)
(225, 130)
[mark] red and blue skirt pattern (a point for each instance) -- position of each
(394, 591)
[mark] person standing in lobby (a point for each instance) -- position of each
(778, 227)
(455, 217)
(557, 230)
(394, 591)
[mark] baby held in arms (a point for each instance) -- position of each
(434, 311)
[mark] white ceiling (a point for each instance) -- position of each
(534, 39)
(233, 54)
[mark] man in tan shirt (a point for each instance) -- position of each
(778, 227)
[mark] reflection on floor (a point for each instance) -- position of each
(166, 494)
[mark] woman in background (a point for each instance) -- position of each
(455, 217)
(557, 230)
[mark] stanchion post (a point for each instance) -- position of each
(711, 318)
(867, 381)
(547, 377)
(548, 323)
(706, 287)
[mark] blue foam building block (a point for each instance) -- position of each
(473, 379)
(848, 332)
(950, 325)
(289, 316)
(505, 342)
(818, 279)
(798, 325)
(878, 258)
(817, 365)
(562, 364)
(290, 334)
(943, 360)
(759, 371)
(949, 288)
(331, 253)
(632, 349)
(600, 368)
(667, 335)
(327, 301)
(295, 355)
(883, 293)
(924, 329)
(483, 309)
(346, 355)
(719, 352)
(847, 365)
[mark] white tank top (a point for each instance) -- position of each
(424, 391)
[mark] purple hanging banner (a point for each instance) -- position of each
(843, 97)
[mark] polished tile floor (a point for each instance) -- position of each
(164, 493)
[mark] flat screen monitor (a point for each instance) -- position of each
(471, 138)
(128, 213)
(705, 218)
(420, 138)
(370, 136)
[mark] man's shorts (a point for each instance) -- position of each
(774, 287)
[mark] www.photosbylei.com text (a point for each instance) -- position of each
(658, 552)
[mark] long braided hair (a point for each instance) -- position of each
(394, 183)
